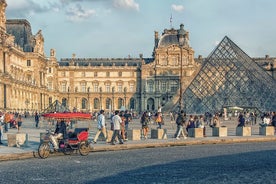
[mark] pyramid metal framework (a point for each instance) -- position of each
(56, 106)
(229, 77)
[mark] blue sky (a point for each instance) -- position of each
(122, 28)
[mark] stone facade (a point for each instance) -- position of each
(30, 80)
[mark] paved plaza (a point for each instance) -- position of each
(29, 150)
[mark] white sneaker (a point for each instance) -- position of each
(177, 138)
(185, 137)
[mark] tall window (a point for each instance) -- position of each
(50, 70)
(150, 83)
(50, 85)
(84, 103)
(120, 103)
(96, 87)
(83, 74)
(131, 87)
(108, 103)
(107, 74)
(83, 87)
(132, 103)
(107, 87)
(95, 74)
(28, 62)
(163, 85)
(120, 87)
(174, 86)
(50, 100)
(120, 74)
(63, 87)
(96, 103)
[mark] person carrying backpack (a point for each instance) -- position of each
(181, 125)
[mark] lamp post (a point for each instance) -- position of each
(181, 76)
(88, 104)
(272, 69)
(181, 35)
(68, 90)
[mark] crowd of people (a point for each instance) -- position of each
(120, 120)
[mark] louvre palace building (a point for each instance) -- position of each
(173, 78)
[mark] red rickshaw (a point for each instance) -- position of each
(75, 141)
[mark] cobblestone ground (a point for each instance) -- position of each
(229, 163)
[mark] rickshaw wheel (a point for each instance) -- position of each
(44, 150)
(84, 148)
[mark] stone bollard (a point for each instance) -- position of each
(219, 131)
(267, 130)
(243, 131)
(159, 133)
(195, 132)
(134, 134)
(18, 139)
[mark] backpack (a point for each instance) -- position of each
(179, 120)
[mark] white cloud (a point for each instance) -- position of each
(178, 8)
(126, 4)
(78, 13)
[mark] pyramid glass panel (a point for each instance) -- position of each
(229, 77)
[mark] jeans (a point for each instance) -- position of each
(116, 133)
(6, 127)
(181, 131)
(159, 125)
(126, 129)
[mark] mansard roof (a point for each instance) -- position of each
(171, 36)
(101, 61)
(22, 31)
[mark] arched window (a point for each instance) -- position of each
(64, 102)
(50, 100)
(108, 103)
(84, 103)
(120, 103)
(96, 103)
(132, 103)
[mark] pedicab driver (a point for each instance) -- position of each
(59, 133)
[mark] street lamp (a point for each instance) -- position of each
(272, 68)
(88, 105)
(68, 90)
(181, 35)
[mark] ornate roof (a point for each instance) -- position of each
(22, 31)
(101, 62)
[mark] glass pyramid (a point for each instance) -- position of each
(228, 78)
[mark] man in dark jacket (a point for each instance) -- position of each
(181, 125)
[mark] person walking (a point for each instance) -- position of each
(128, 118)
(117, 126)
(158, 119)
(123, 130)
(18, 122)
(36, 119)
(101, 126)
(181, 125)
(145, 124)
(1, 129)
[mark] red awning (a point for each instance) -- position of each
(68, 115)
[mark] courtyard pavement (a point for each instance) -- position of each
(30, 149)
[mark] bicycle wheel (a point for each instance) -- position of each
(44, 150)
(84, 148)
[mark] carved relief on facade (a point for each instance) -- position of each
(39, 43)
